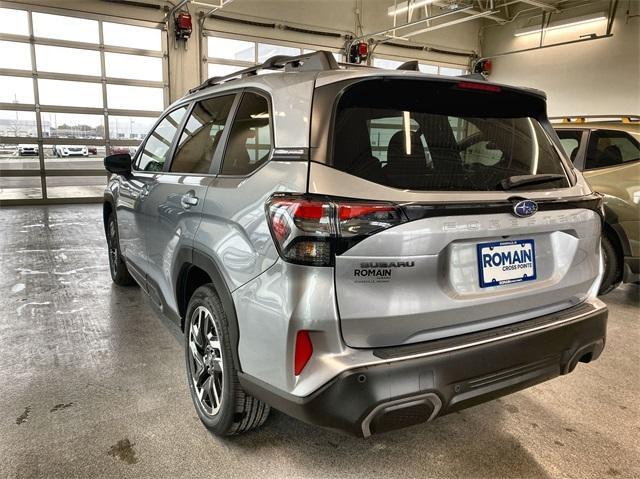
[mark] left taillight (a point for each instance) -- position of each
(312, 230)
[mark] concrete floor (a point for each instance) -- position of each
(92, 384)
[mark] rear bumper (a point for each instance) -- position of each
(413, 384)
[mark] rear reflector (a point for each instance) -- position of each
(467, 85)
(303, 351)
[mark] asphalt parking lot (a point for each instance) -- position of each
(93, 385)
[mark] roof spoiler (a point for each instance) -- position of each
(315, 61)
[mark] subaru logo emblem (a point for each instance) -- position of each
(525, 208)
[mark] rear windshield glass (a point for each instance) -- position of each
(432, 136)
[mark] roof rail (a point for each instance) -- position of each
(585, 118)
(315, 61)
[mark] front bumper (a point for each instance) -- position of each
(416, 383)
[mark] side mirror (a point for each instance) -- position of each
(120, 164)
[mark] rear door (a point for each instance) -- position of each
(176, 196)
(473, 252)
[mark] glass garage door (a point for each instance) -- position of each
(73, 90)
(226, 54)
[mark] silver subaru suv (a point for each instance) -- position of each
(361, 249)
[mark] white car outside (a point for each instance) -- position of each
(70, 150)
(27, 150)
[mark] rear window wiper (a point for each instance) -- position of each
(517, 181)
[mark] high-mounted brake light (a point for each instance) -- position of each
(303, 351)
(311, 230)
(467, 85)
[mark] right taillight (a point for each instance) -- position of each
(312, 230)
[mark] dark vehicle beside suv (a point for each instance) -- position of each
(607, 151)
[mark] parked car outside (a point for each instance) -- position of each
(93, 150)
(122, 150)
(70, 150)
(24, 149)
(608, 154)
(362, 249)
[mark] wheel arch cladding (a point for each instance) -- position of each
(107, 209)
(199, 271)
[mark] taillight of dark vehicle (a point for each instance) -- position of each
(311, 230)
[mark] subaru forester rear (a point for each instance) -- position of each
(409, 245)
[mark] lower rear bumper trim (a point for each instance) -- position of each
(402, 392)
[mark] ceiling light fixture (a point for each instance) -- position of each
(570, 22)
(404, 6)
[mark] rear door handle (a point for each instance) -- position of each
(188, 200)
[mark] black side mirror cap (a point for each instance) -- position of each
(120, 164)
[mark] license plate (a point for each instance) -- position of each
(506, 262)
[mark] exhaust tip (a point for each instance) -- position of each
(401, 413)
(585, 354)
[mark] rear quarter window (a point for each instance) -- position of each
(249, 144)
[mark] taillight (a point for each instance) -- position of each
(311, 230)
(303, 351)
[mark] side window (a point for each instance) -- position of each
(249, 142)
(159, 141)
(611, 148)
(570, 140)
(201, 135)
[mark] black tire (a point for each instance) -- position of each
(119, 272)
(612, 276)
(237, 411)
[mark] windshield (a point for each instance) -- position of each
(424, 135)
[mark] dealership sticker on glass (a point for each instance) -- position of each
(506, 262)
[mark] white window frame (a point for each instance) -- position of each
(103, 80)
(255, 40)
(421, 62)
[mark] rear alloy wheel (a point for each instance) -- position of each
(221, 403)
(206, 364)
(612, 276)
(119, 272)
